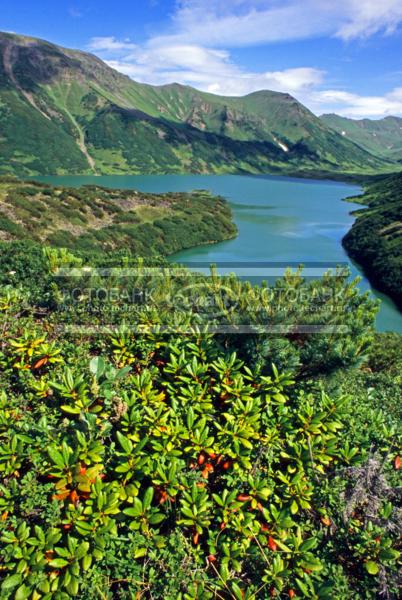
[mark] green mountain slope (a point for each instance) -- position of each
(375, 239)
(381, 137)
(65, 111)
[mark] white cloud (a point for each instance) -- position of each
(251, 22)
(208, 69)
(355, 106)
(75, 13)
(367, 17)
(110, 44)
(195, 49)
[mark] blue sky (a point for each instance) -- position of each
(340, 56)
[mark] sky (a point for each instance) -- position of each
(342, 56)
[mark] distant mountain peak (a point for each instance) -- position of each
(381, 137)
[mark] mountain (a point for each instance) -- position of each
(381, 137)
(66, 111)
(375, 240)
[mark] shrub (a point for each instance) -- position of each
(166, 465)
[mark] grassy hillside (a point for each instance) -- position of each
(375, 239)
(65, 111)
(94, 219)
(260, 116)
(382, 137)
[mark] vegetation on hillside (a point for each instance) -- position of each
(65, 111)
(143, 455)
(381, 137)
(92, 218)
(375, 240)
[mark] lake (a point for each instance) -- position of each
(280, 220)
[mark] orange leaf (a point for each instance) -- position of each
(41, 362)
(201, 459)
(163, 497)
(272, 544)
(243, 498)
(74, 497)
(62, 496)
(397, 463)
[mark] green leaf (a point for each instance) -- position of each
(22, 593)
(123, 372)
(312, 563)
(72, 410)
(135, 510)
(86, 562)
(224, 572)
(371, 567)
(237, 591)
(308, 544)
(97, 366)
(302, 587)
(282, 546)
(149, 494)
(125, 443)
(83, 528)
(389, 554)
(56, 457)
(58, 563)
(82, 550)
(157, 518)
(73, 587)
(11, 582)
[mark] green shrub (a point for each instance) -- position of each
(167, 465)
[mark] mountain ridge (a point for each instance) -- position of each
(66, 111)
(380, 136)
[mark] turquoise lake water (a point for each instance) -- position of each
(280, 219)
